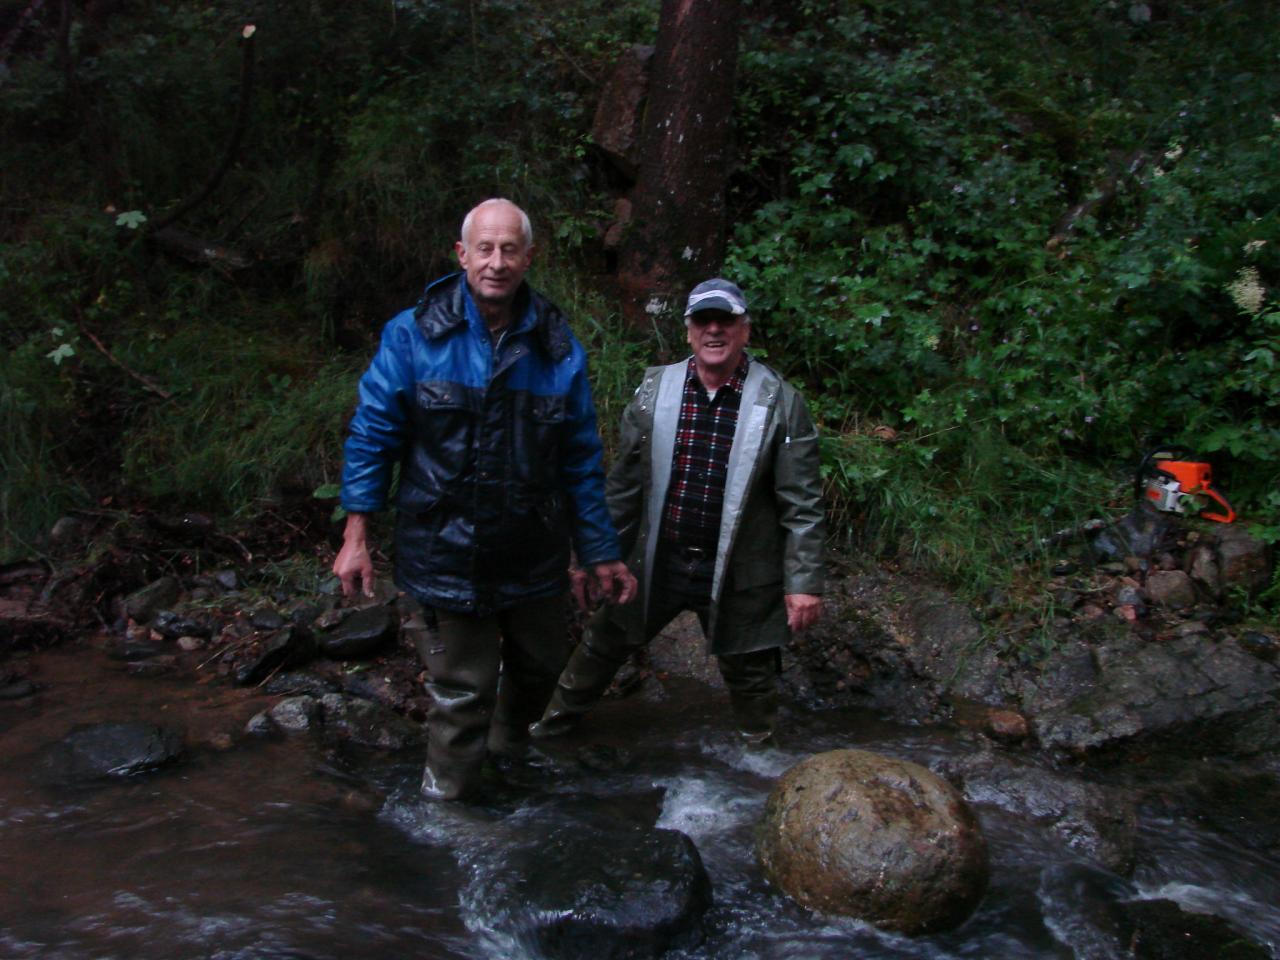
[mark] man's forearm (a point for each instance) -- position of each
(357, 529)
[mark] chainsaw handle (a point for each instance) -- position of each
(1213, 494)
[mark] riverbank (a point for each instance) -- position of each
(1164, 714)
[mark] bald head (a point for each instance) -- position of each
(495, 204)
(495, 251)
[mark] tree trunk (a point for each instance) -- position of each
(676, 236)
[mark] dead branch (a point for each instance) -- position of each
(195, 250)
(233, 142)
(147, 383)
(1105, 193)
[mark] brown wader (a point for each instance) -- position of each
(612, 635)
(489, 678)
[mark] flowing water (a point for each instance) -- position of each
(263, 849)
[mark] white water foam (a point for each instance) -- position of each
(703, 808)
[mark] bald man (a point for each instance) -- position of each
(480, 395)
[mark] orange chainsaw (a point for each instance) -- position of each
(1171, 481)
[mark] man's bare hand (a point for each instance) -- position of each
(612, 583)
(353, 565)
(803, 610)
(580, 587)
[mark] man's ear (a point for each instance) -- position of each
(461, 251)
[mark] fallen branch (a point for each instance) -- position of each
(233, 142)
(198, 250)
(1067, 535)
(147, 383)
(1104, 194)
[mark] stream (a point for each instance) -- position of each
(260, 848)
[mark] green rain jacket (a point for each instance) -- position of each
(772, 529)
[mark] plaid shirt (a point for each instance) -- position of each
(700, 463)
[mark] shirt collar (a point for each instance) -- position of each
(734, 383)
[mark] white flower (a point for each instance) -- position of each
(1247, 290)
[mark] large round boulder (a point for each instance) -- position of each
(887, 841)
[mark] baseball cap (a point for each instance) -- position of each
(716, 294)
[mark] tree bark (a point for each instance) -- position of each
(676, 236)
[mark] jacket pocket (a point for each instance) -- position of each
(756, 572)
(443, 395)
(547, 410)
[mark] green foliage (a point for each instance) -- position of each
(901, 208)
(900, 189)
(967, 504)
(248, 419)
(36, 405)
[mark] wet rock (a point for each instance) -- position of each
(1232, 799)
(1171, 588)
(1202, 566)
(1132, 598)
(1242, 559)
(108, 750)
(303, 613)
(294, 682)
(227, 579)
(288, 648)
(1141, 533)
(295, 714)
(368, 724)
(143, 605)
(134, 651)
(1083, 903)
(266, 618)
(946, 648)
(1005, 725)
(885, 840)
(1094, 821)
(261, 725)
(1202, 695)
(16, 688)
(361, 633)
(1261, 645)
(1162, 930)
(597, 889)
(153, 667)
(172, 625)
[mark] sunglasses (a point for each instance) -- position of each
(704, 318)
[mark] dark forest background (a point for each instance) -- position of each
(1004, 248)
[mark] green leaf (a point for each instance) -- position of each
(132, 219)
(63, 351)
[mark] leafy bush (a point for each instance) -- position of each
(913, 261)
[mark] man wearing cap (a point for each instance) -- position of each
(716, 495)
(480, 395)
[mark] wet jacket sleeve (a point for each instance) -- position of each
(379, 429)
(582, 474)
(798, 487)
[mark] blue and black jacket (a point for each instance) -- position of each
(500, 459)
